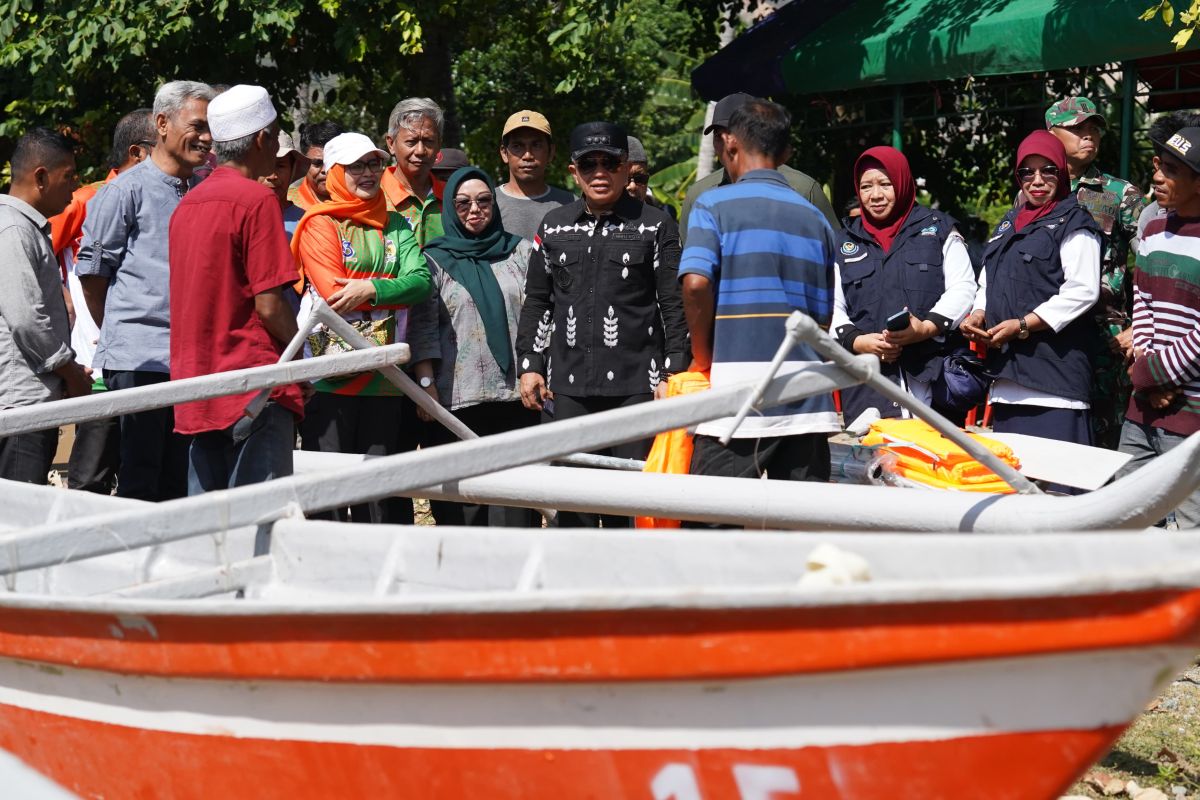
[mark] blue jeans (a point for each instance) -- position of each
(249, 451)
(1146, 443)
(27, 457)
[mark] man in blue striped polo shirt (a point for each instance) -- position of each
(756, 252)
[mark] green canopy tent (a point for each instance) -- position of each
(876, 43)
(907, 41)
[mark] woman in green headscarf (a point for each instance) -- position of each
(462, 337)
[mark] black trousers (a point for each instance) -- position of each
(485, 419)
(95, 456)
(154, 459)
(27, 457)
(804, 457)
(566, 407)
(378, 426)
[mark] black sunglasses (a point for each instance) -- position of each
(1049, 172)
(641, 179)
(591, 163)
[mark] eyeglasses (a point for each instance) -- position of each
(146, 144)
(640, 178)
(359, 167)
(1048, 172)
(464, 203)
(591, 164)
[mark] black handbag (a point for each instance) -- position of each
(964, 382)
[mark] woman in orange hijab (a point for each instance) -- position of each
(365, 262)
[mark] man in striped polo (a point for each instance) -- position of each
(1165, 406)
(757, 251)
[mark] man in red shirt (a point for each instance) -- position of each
(230, 267)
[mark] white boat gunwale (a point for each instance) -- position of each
(646, 599)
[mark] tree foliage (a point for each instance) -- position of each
(84, 64)
(1189, 20)
(81, 64)
(619, 71)
(961, 139)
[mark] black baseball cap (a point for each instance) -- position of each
(598, 137)
(725, 108)
(449, 159)
(1184, 144)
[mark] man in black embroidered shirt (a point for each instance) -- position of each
(602, 325)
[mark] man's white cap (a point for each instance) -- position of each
(346, 148)
(240, 111)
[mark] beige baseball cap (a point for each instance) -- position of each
(527, 119)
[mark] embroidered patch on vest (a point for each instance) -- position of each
(1005, 225)
(849, 248)
(347, 250)
(930, 231)
(389, 248)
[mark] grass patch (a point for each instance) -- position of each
(1162, 747)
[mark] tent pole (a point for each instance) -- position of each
(897, 117)
(1129, 88)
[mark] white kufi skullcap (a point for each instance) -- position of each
(240, 111)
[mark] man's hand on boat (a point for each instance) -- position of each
(534, 392)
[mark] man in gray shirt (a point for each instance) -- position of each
(123, 267)
(527, 148)
(808, 188)
(36, 360)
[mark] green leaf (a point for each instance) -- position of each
(671, 91)
(1180, 39)
(674, 174)
(1168, 13)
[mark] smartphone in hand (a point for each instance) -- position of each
(899, 321)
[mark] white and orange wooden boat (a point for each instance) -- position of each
(455, 663)
(224, 646)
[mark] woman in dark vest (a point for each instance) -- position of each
(1041, 276)
(898, 256)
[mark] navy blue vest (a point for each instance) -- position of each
(877, 285)
(1023, 271)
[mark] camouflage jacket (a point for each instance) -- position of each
(1115, 205)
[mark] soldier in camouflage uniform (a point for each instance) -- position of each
(1115, 204)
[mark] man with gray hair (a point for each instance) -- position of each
(122, 264)
(230, 267)
(414, 138)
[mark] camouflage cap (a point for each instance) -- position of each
(1072, 111)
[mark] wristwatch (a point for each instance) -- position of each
(425, 382)
(1024, 332)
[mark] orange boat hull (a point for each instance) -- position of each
(84, 757)
(972, 698)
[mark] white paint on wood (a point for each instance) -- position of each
(1063, 462)
(111, 404)
(267, 502)
(1083, 690)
